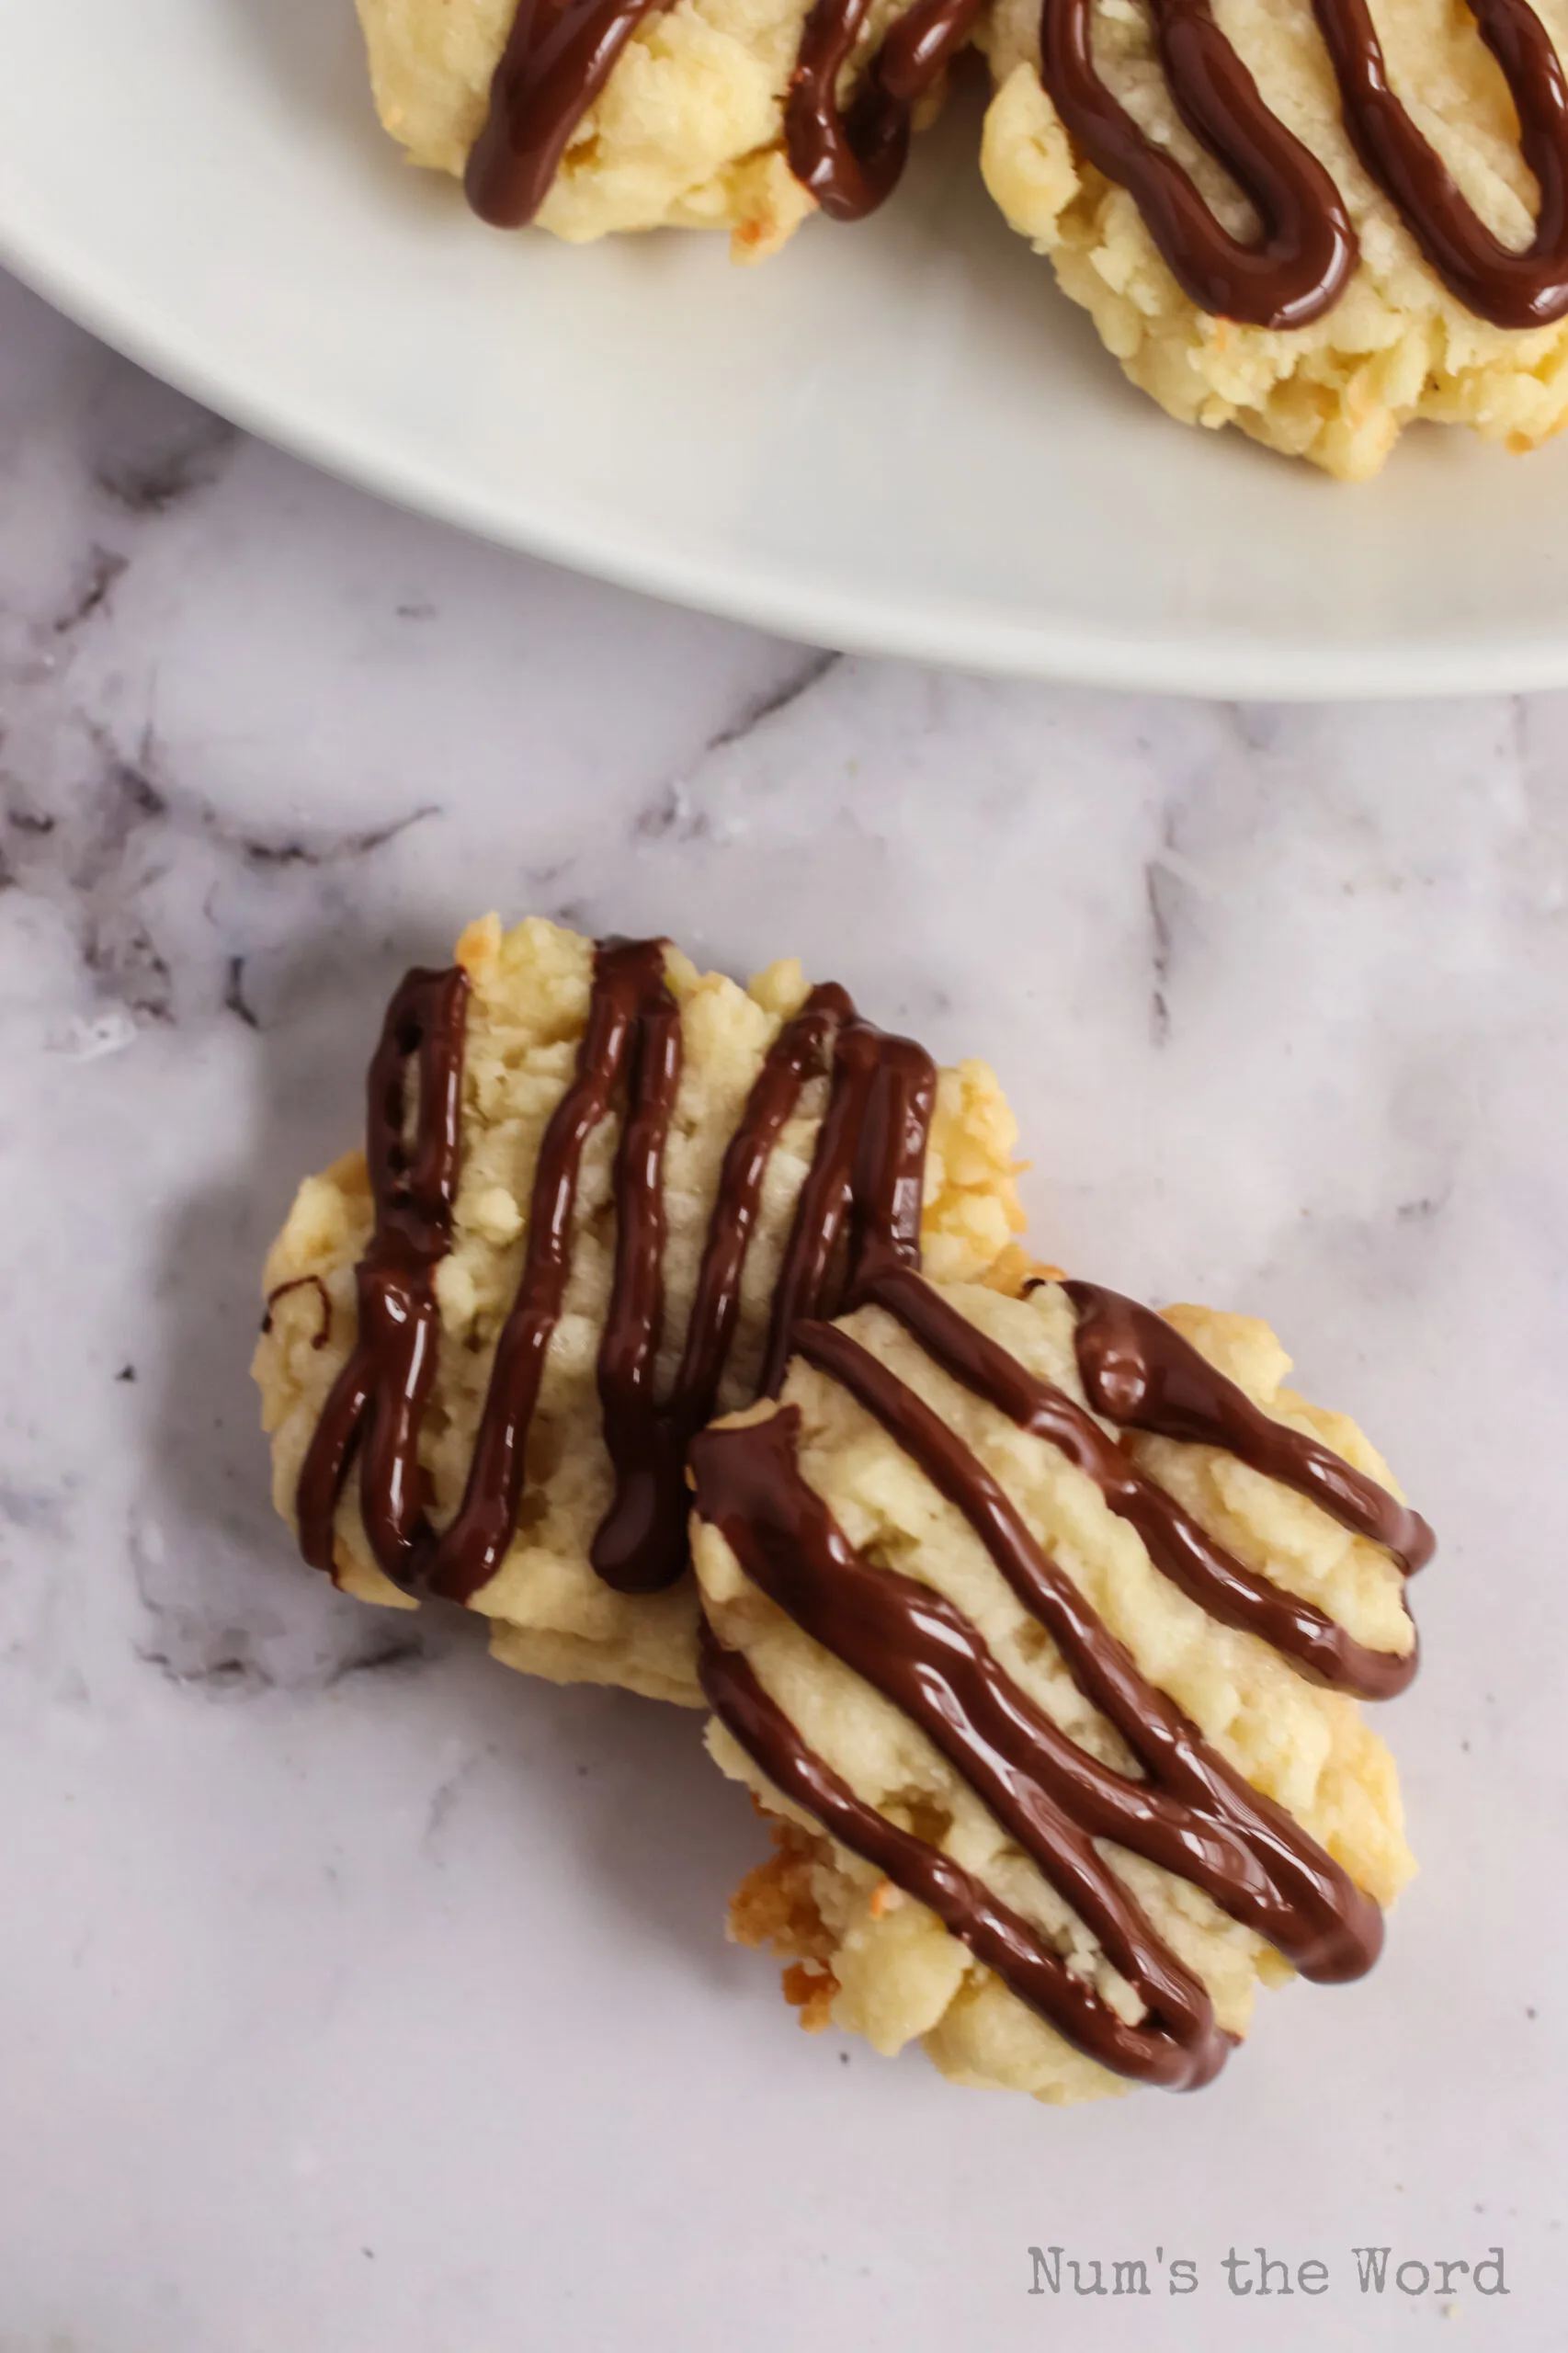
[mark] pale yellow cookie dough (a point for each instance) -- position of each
(550, 1613)
(1398, 346)
(687, 132)
(872, 1960)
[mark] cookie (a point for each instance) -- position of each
(1264, 240)
(590, 116)
(1039, 1626)
(598, 1187)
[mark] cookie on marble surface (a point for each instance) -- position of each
(1381, 265)
(1038, 1624)
(483, 1363)
(593, 116)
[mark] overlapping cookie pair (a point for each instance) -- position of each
(1313, 221)
(683, 1330)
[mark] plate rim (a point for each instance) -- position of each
(1208, 665)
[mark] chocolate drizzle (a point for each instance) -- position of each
(629, 1009)
(1316, 1644)
(560, 53)
(643, 1539)
(1297, 270)
(854, 1240)
(377, 1401)
(1301, 265)
(635, 1432)
(1512, 289)
(1139, 1371)
(851, 161)
(1191, 1813)
(1178, 2047)
(860, 1202)
(322, 1333)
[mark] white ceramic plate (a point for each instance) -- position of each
(895, 438)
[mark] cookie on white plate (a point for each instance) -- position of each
(1382, 264)
(593, 116)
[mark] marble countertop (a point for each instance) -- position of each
(292, 1890)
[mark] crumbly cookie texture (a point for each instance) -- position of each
(1398, 346)
(687, 132)
(551, 1614)
(871, 1960)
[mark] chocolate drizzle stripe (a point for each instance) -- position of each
(1299, 267)
(629, 983)
(642, 1443)
(1139, 1372)
(919, 1651)
(1316, 1644)
(1193, 1816)
(377, 1404)
(558, 57)
(645, 1537)
(822, 1209)
(798, 1052)
(852, 160)
(889, 1172)
(303, 1282)
(997, 1935)
(1511, 289)
(861, 1199)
